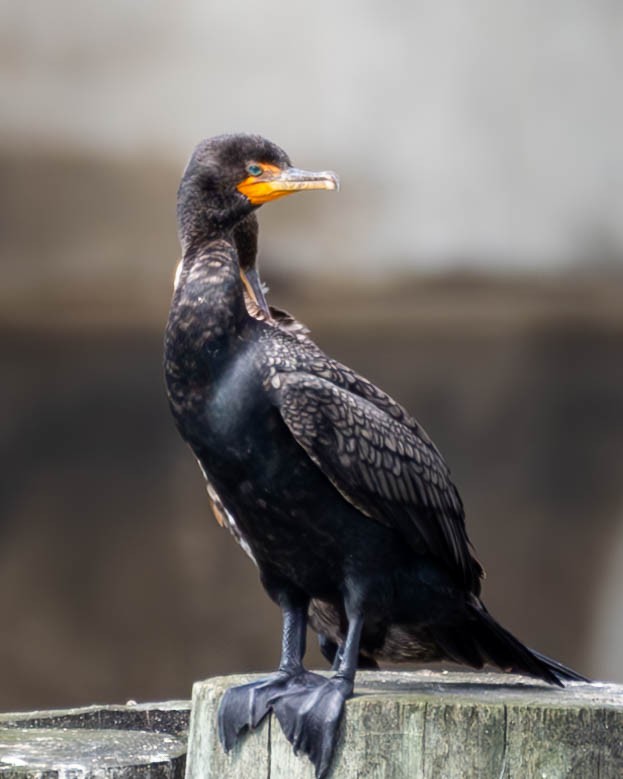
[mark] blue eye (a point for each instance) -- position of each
(254, 170)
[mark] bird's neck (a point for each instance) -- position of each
(207, 314)
(245, 237)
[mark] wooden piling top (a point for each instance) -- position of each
(135, 741)
(433, 725)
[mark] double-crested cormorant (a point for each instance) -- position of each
(336, 492)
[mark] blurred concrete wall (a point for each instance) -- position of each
(116, 583)
(478, 132)
(482, 135)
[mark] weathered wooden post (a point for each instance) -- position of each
(433, 725)
(146, 741)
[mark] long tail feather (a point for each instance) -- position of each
(482, 640)
(562, 671)
(504, 650)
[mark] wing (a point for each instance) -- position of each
(384, 467)
(343, 376)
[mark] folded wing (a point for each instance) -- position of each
(389, 470)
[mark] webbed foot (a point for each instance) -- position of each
(243, 708)
(310, 719)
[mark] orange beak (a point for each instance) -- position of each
(275, 182)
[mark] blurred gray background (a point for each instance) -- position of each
(472, 265)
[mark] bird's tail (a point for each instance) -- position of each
(483, 640)
(560, 670)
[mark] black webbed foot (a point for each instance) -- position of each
(243, 708)
(310, 719)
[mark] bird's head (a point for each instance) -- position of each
(230, 176)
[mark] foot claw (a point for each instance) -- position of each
(309, 708)
(244, 708)
(310, 719)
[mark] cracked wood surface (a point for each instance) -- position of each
(432, 725)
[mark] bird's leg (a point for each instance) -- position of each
(333, 654)
(349, 654)
(293, 639)
(311, 718)
(243, 708)
(293, 645)
(329, 649)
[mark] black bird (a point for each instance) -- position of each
(339, 496)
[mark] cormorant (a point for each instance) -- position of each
(339, 496)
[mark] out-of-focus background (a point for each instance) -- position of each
(472, 265)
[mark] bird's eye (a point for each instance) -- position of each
(254, 170)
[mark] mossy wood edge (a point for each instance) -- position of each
(425, 724)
